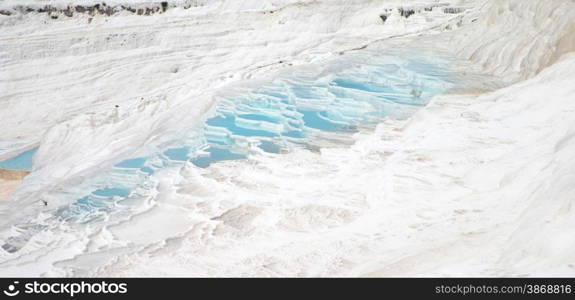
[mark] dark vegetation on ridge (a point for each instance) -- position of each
(102, 8)
(407, 12)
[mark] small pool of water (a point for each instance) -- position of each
(302, 108)
(308, 107)
(22, 161)
(311, 107)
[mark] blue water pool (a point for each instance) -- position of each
(134, 163)
(307, 107)
(297, 109)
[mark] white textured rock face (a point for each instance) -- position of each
(475, 184)
(517, 39)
